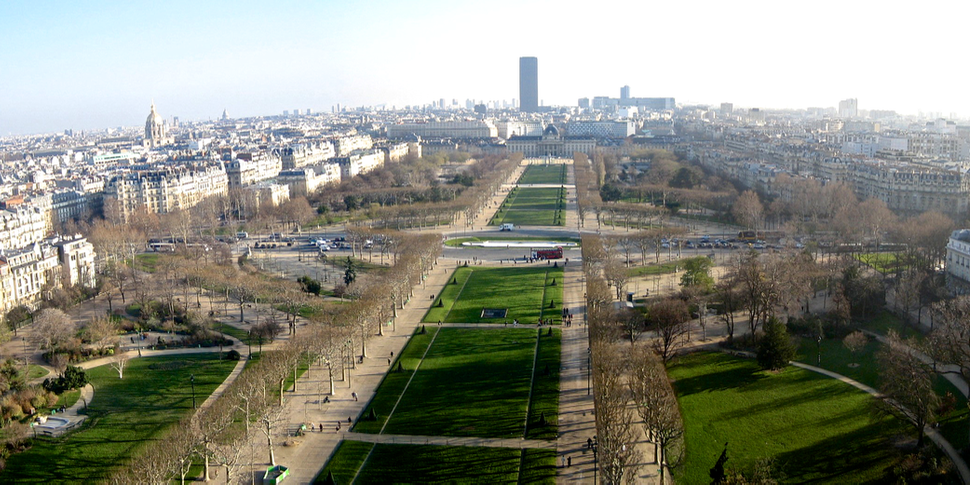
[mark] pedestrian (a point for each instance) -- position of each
(569, 461)
(562, 461)
(589, 443)
(321, 427)
(354, 394)
(349, 420)
(388, 361)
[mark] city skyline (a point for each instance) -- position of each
(84, 67)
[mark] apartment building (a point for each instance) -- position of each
(164, 191)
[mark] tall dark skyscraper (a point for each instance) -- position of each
(528, 84)
(625, 92)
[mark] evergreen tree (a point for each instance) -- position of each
(775, 348)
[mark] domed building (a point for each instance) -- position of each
(155, 135)
(550, 144)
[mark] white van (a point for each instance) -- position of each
(506, 227)
(242, 235)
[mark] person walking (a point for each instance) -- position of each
(354, 394)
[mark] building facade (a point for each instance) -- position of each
(528, 84)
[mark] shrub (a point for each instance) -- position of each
(233, 355)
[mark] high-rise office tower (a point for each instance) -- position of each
(625, 92)
(528, 84)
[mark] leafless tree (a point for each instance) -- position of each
(906, 383)
(669, 318)
(118, 363)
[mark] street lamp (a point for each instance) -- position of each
(818, 340)
(24, 339)
(589, 358)
(192, 381)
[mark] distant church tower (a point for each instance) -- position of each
(155, 129)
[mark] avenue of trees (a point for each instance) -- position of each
(224, 434)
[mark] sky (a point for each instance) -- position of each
(99, 64)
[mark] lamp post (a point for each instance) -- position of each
(24, 339)
(589, 358)
(818, 340)
(192, 381)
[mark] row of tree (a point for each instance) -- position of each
(252, 408)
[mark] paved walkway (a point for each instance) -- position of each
(71, 414)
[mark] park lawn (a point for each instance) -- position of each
(457, 242)
(238, 333)
(345, 461)
(394, 382)
(531, 207)
(449, 294)
(884, 263)
(526, 292)
(124, 415)
(529, 218)
(862, 366)
(36, 372)
(147, 262)
(473, 382)
(886, 321)
(389, 463)
(654, 269)
(543, 174)
(815, 427)
(545, 387)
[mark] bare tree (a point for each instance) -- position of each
(100, 330)
(747, 210)
(54, 327)
(669, 317)
(118, 363)
(614, 417)
(657, 406)
(906, 383)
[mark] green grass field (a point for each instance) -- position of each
(544, 174)
(532, 207)
(528, 293)
(473, 382)
(457, 242)
(125, 413)
(884, 263)
(863, 367)
(545, 387)
(818, 429)
(36, 372)
(438, 464)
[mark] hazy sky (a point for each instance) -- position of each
(98, 64)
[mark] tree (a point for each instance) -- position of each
(906, 383)
(54, 327)
(668, 317)
(350, 274)
(657, 406)
(697, 273)
(100, 330)
(118, 363)
(775, 349)
(729, 298)
(614, 417)
(747, 210)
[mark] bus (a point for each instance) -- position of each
(748, 236)
(555, 253)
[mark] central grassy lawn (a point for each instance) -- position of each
(473, 382)
(545, 387)
(544, 174)
(125, 414)
(438, 464)
(532, 206)
(528, 293)
(817, 428)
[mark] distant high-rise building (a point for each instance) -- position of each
(286, 112)
(584, 103)
(727, 108)
(849, 108)
(528, 84)
(625, 92)
(296, 112)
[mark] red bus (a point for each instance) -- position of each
(555, 253)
